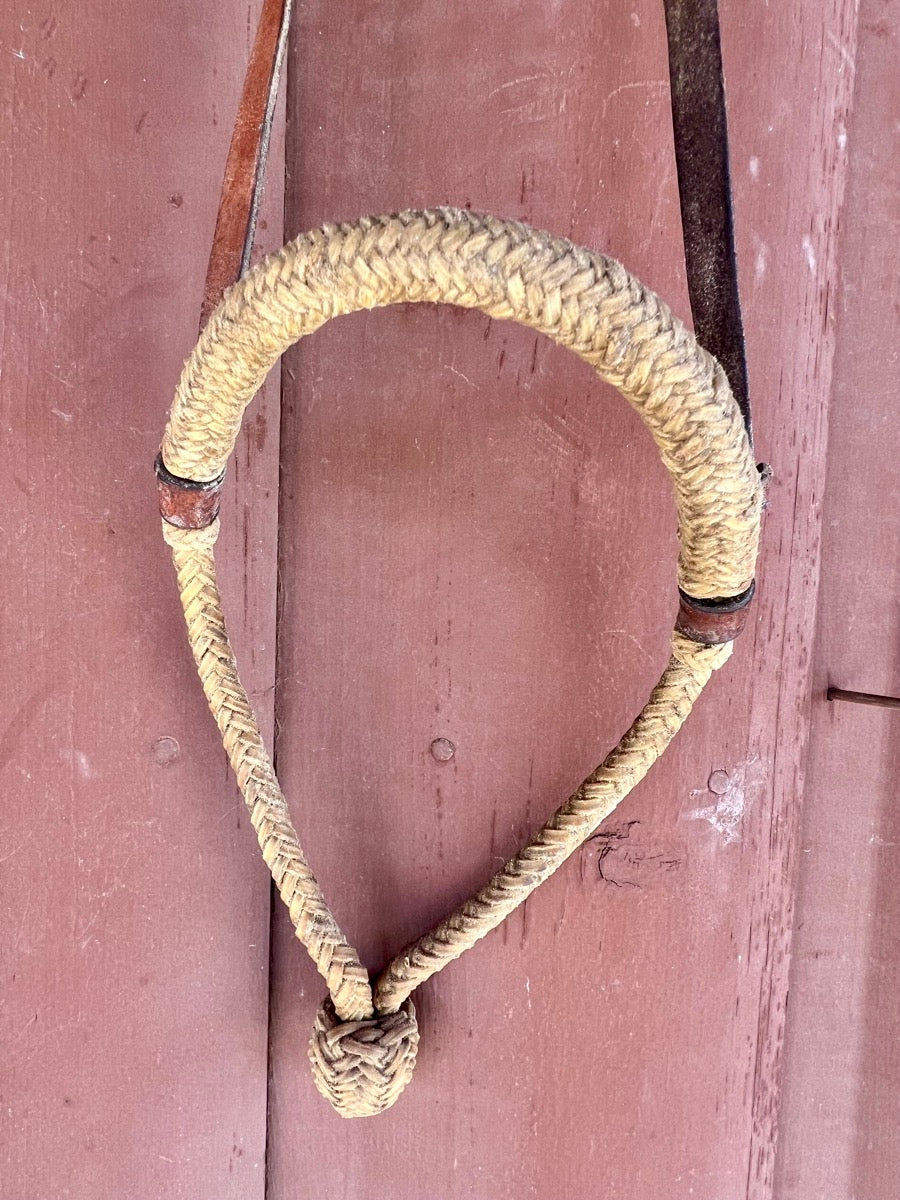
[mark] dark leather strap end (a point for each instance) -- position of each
(186, 503)
(713, 622)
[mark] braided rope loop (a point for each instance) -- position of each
(364, 1043)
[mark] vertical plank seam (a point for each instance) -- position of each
(274, 900)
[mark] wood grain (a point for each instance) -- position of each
(134, 906)
(788, 168)
(478, 545)
(842, 1069)
(476, 551)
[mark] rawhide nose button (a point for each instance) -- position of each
(361, 1067)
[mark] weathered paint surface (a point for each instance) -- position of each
(842, 1065)
(789, 167)
(476, 544)
(134, 908)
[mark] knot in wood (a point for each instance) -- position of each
(361, 1067)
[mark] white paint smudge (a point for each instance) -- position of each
(810, 253)
(83, 765)
(762, 256)
(754, 168)
(726, 814)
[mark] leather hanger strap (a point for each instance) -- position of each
(246, 162)
(700, 127)
(188, 503)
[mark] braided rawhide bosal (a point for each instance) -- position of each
(365, 1038)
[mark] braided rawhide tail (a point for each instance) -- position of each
(365, 1037)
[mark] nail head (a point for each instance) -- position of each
(442, 749)
(165, 750)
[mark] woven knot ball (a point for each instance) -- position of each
(361, 1067)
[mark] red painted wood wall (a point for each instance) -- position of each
(455, 532)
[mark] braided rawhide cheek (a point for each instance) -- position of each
(336, 960)
(364, 1044)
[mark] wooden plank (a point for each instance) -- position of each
(477, 546)
(788, 170)
(134, 905)
(844, 1024)
(464, 537)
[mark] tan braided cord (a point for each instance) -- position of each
(365, 1039)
